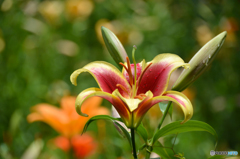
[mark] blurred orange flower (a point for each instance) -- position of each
(68, 123)
(79, 8)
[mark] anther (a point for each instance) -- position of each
(123, 88)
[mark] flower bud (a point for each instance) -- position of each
(114, 46)
(200, 62)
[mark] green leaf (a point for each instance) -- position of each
(103, 117)
(177, 127)
(163, 107)
(142, 132)
(114, 120)
(160, 150)
(200, 62)
(114, 46)
(125, 132)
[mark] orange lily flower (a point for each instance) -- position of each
(136, 89)
(68, 123)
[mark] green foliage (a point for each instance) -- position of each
(116, 121)
(177, 127)
(141, 130)
(159, 149)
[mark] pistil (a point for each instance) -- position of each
(135, 71)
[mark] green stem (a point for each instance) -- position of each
(164, 115)
(148, 152)
(133, 143)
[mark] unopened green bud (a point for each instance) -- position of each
(200, 62)
(114, 46)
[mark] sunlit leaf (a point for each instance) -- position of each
(177, 127)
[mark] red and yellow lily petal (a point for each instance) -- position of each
(184, 103)
(156, 77)
(131, 103)
(176, 97)
(142, 109)
(119, 105)
(106, 75)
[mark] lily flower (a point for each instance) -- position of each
(136, 89)
(69, 124)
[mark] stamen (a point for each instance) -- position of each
(124, 66)
(129, 71)
(140, 78)
(140, 96)
(123, 88)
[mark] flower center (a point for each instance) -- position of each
(138, 72)
(133, 74)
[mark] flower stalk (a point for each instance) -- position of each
(133, 143)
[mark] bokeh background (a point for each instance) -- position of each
(42, 42)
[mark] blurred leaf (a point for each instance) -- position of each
(177, 127)
(15, 121)
(114, 46)
(4, 151)
(141, 130)
(160, 150)
(33, 150)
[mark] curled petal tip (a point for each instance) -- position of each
(73, 77)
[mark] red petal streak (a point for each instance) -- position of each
(107, 76)
(108, 80)
(176, 98)
(140, 78)
(156, 78)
